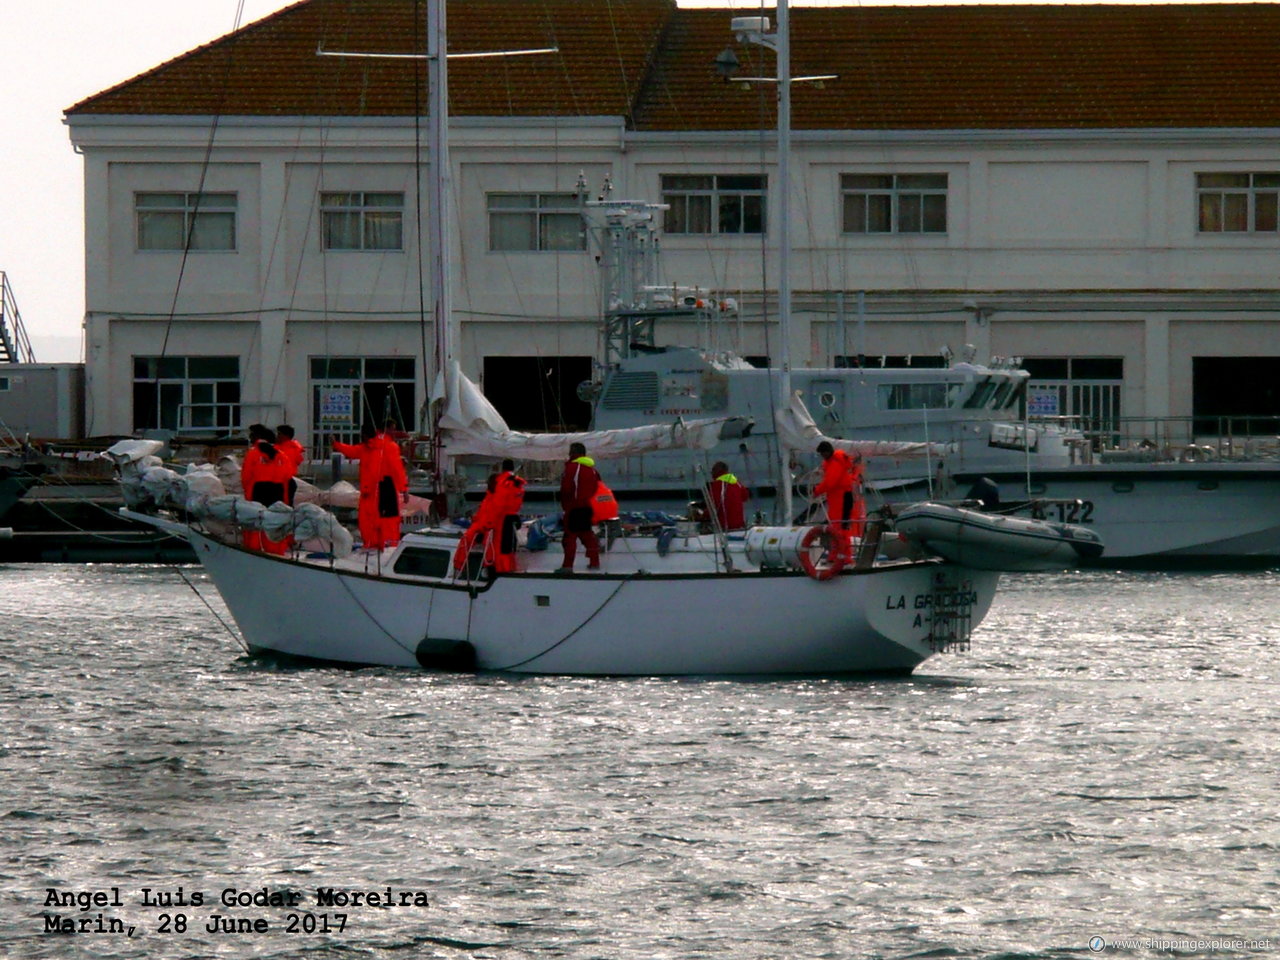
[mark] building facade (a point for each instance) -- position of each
(253, 251)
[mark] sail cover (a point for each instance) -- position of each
(471, 425)
(797, 431)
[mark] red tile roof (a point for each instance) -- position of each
(926, 67)
(270, 68)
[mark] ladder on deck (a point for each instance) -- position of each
(14, 345)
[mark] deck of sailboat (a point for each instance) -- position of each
(427, 555)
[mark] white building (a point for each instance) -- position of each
(1091, 188)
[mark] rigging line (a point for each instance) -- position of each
(560, 58)
(609, 599)
(100, 535)
(232, 44)
(369, 613)
(622, 67)
(240, 641)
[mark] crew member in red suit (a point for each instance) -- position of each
(728, 498)
(484, 523)
(509, 496)
(578, 487)
(293, 452)
(842, 483)
(264, 477)
(383, 486)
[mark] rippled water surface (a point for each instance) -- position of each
(1102, 764)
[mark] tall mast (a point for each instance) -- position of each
(783, 49)
(754, 30)
(440, 192)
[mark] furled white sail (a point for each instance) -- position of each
(470, 425)
(797, 431)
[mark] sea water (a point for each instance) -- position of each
(1097, 776)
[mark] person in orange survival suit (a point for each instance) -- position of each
(484, 523)
(728, 498)
(394, 492)
(264, 477)
(293, 452)
(509, 497)
(578, 487)
(842, 483)
(383, 485)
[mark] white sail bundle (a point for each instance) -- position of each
(472, 426)
(797, 431)
(310, 525)
(147, 484)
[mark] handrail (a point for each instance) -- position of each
(17, 348)
(1225, 437)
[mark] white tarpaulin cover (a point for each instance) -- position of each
(472, 426)
(797, 431)
(147, 485)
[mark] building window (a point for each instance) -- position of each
(535, 221)
(362, 221)
(180, 221)
(539, 392)
(714, 203)
(894, 202)
(349, 391)
(1236, 396)
(1237, 202)
(186, 393)
(1085, 388)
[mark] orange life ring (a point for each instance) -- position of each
(835, 562)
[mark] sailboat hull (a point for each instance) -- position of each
(645, 624)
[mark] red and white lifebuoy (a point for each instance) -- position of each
(816, 544)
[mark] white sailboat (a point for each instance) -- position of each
(683, 604)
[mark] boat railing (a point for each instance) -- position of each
(1170, 439)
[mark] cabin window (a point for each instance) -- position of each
(182, 221)
(535, 221)
(982, 394)
(1238, 202)
(186, 394)
(913, 361)
(423, 562)
(1007, 393)
(914, 396)
(893, 202)
(714, 203)
(362, 221)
